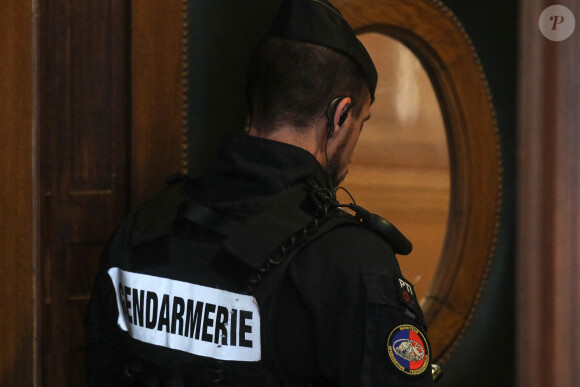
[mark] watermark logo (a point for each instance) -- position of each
(557, 23)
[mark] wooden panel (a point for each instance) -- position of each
(549, 193)
(81, 267)
(91, 79)
(157, 93)
(85, 114)
(87, 216)
(18, 175)
(86, 80)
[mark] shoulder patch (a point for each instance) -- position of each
(408, 349)
(406, 293)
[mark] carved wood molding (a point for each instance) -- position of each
(157, 54)
(435, 35)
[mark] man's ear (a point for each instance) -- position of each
(337, 113)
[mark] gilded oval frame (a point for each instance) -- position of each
(431, 31)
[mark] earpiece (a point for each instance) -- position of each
(331, 110)
(343, 116)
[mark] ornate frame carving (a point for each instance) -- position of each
(433, 33)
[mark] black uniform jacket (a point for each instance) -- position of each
(343, 314)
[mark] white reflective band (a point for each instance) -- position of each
(192, 318)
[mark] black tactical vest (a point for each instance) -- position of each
(175, 238)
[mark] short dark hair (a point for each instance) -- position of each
(292, 82)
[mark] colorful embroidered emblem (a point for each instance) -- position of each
(408, 349)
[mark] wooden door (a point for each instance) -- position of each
(84, 152)
(108, 137)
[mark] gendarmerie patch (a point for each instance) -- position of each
(408, 349)
(188, 317)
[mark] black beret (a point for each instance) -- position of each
(319, 22)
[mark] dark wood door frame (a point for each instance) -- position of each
(19, 220)
(548, 259)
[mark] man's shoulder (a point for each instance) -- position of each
(355, 234)
(156, 214)
(149, 221)
(352, 246)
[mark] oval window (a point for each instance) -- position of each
(400, 168)
(439, 184)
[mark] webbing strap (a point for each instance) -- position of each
(275, 276)
(265, 291)
(263, 233)
(206, 217)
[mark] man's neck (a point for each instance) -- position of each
(307, 140)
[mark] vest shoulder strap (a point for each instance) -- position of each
(258, 238)
(153, 218)
(267, 281)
